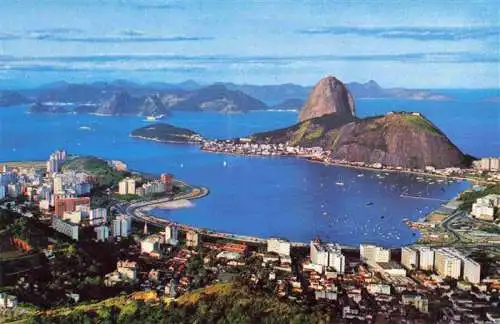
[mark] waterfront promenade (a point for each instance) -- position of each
(140, 212)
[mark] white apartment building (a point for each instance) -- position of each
(426, 258)
(484, 208)
(126, 187)
(192, 239)
(65, 228)
(171, 235)
(472, 271)
(409, 258)
(448, 263)
(372, 254)
(327, 255)
(279, 246)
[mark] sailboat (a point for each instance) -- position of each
(224, 164)
(339, 182)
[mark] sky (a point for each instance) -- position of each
(413, 44)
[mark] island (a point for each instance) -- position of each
(167, 133)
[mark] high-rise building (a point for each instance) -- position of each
(126, 187)
(98, 216)
(372, 254)
(426, 258)
(472, 271)
(409, 258)
(56, 161)
(66, 228)
(122, 187)
(327, 255)
(336, 259)
(3, 191)
(58, 184)
(14, 189)
(102, 233)
(126, 225)
(116, 226)
(192, 239)
(279, 246)
(167, 179)
(63, 205)
(130, 186)
(448, 263)
(171, 234)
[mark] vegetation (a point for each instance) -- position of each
(165, 132)
(106, 175)
(421, 123)
(470, 197)
(221, 303)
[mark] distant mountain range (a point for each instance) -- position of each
(125, 97)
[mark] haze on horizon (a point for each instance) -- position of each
(413, 44)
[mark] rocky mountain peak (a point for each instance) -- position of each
(329, 96)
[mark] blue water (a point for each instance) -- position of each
(288, 197)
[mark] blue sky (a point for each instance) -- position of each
(415, 44)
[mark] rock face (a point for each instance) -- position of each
(398, 139)
(329, 96)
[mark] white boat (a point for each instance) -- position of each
(153, 118)
(224, 164)
(361, 175)
(339, 182)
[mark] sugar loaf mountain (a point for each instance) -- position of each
(328, 119)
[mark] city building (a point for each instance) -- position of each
(279, 246)
(63, 205)
(488, 164)
(484, 208)
(171, 235)
(327, 255)
(419, 302)
(74, 217)
(126, 187)
(66, 228)
(379, 289)
(426, 258)
(58, 184)
(127, 269)
(56, 161)
(98, 216)
(168, 180)
(448, 263)
(151, 244)
(121, 226)
(472, 271)
(3, 191)
(409, 258)
(391, 268)
(14, 189)
(7, 301)
(192, 239)
(372, 254)
(102, 233)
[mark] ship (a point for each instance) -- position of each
(153, 118)
(339, 182)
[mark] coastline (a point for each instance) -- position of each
(163, 141)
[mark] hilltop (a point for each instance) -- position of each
(397, 139)
(166, 133)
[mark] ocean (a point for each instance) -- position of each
(267, 196)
